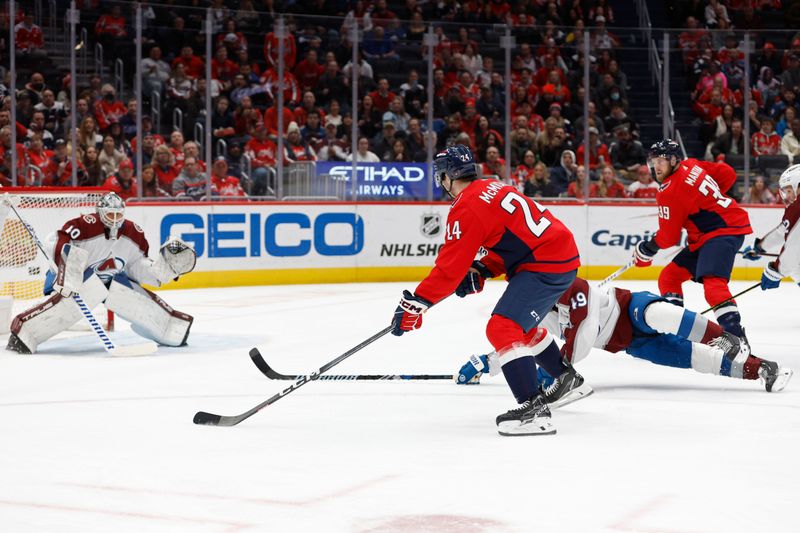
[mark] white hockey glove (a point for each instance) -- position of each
(69, 277)
(175, 258)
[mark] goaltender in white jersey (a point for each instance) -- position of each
(104, 258)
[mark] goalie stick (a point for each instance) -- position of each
(121, 351)
(210, 419)
(271, 373)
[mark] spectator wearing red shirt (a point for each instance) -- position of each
(309, 104)
(37, 155)
(494, 164)
(111, 24)
(271, 50)
(382, 96)
(194, 66)
(110, 31)
(108, 109)
(222, 68)
(644, 186)
(176, 147)
(497, 10)
(271, 119)
(295, 148)
(261, 152)
(575, 188)
(5, 159)
(164, 166)
(381, 15)
(598, 153)
(309, 71)
(554, 86)
(224, 184)
(609, 185)
(291, 89)
(123, 183)
(29, 38)
(766, 141)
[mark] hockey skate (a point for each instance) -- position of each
(567, 388)
(16, 345)
(774, 376)
(732, 346)
(530, 418)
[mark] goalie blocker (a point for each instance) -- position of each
(116, 253)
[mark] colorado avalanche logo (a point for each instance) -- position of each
(108, 268)
(431, 225)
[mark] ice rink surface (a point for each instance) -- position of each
(93, 443)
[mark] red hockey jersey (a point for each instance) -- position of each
(517, 233)
(692, 197)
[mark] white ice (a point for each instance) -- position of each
(94, 443)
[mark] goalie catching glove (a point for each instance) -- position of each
(175, 258)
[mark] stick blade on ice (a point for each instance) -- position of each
(134, 350)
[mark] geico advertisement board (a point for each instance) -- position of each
(377, 241)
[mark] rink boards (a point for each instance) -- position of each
(243, 243)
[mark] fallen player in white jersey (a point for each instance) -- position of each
(644, 325)
(104, 258)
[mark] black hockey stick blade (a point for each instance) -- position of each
(271, 373)
(209, 419)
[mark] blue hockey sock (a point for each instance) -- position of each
(550, 360)
(520, 372)
(731, 321)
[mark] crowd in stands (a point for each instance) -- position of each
(713, 54)
(546, 88)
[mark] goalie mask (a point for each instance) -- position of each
(111, 210)
(788, 183)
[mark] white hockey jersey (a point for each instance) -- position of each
(787, 236)
(588, 317)
(127, 253)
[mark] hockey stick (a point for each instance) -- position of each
(122, 351)
(617, 273)
(271, 373)
(762, 254)
(748, 289)
(209, 419)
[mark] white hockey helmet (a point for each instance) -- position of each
(788, 183)
(111, 210)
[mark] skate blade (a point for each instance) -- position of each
(784, 375)
(572, 396)
(531, 429)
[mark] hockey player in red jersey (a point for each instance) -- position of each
(692, 197)
(786, 235)
(645, 326)
(104, 258)
(531, 247)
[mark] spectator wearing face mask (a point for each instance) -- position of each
(108, 109)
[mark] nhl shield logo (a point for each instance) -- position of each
(431, 225)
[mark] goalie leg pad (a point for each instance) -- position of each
(55, 314)
(150, 316)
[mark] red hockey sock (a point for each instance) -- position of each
(671, 279)
(713, 330)
(751, 367)
(716, 290)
